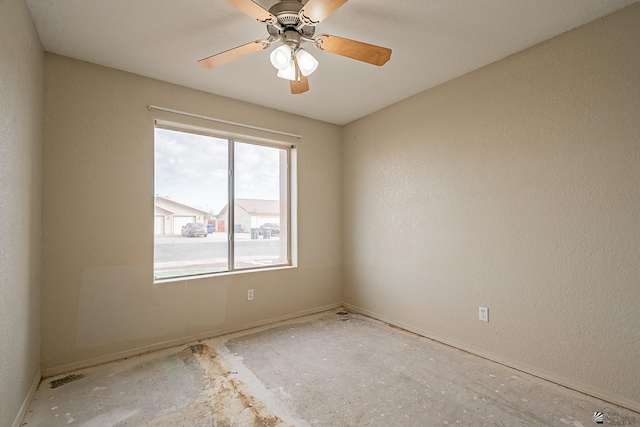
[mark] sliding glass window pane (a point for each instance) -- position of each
(191, 187)
(261, 206)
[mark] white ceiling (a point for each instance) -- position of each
(432, 41)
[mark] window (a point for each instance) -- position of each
(221, 204)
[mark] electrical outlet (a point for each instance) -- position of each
(250, 295)
(483, 314)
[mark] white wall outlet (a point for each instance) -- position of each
(250, 295)
(483, 314)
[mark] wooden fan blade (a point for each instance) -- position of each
(229, 55)
(318, 10)
(299, 86)
(360, 51)
(301, 83)
(252, 9)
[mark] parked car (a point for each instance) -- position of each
(275, 228)
(194, 229)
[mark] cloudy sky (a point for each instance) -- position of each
(192, 169)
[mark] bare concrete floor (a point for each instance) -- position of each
(325, 370)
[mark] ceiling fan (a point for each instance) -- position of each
(292, 23)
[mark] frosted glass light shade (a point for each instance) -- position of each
(281, 57)
(289, 72)
(306, 62)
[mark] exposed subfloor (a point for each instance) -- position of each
(321, 370)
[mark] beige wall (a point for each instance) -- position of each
(99, 299)
(515, 187)
(21, 88)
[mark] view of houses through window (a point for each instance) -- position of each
(212, 214)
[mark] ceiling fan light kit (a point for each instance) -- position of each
(291, 23)
(289, 72)
(306, 62)
(281, 57)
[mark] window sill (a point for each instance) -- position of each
(223, 273)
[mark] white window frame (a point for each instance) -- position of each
(282, 142)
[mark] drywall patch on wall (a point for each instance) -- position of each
(116, 305)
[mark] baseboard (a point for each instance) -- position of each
(87, 363)
(582, 388)
(27, 400)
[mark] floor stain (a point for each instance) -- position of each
(226, 401)
(198, 348)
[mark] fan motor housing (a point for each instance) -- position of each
(287, 12)
(286, 6)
